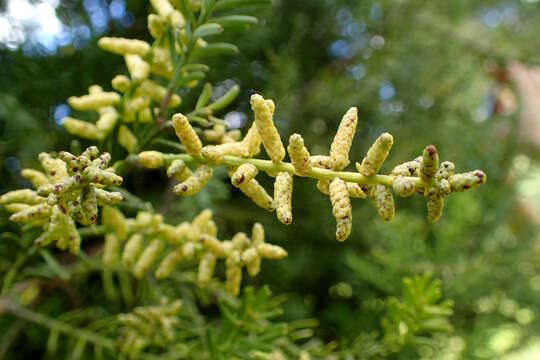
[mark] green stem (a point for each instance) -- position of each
(170, 89)
(92, 231)
(154, 132)
(57, 268)
(10, 276)
(101, 342)
(56, 325)
(184, 60)
(9, 336)
(108, 285)
(125, 287)
(172, 144)
(315, 173)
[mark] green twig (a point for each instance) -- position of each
(315, 173)
(108, 285)
(184, 60)
(54, 324)
(9, 336)
(125, 287)
(21, 259)
(172, 144)
(87, 231)
(56, 267)
(154, 132)
(186, 54)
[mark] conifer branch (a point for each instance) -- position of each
(7, 306)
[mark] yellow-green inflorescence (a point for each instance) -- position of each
(283, 187)
(70, 189)
(341, 208)
(422, 175)
(147, 244)
(141, 95)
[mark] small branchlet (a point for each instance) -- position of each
(70, 190)
(425, 176)
(422, 175)
(135, 100)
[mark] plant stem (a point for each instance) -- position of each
(154, 132)
(125, 287)
(101, 342)
(184, 60)
(9, 336)
(53, 324)
(10, 276)
(315, 173)
(108, 285)
(172, 144)
(92, 230)
(170, 89)
(58, 268)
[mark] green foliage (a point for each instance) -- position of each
(249, 328)
(418, 314)
(437, 57)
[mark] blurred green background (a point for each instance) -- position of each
(441, 72)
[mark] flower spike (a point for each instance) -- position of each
(299, 155)
(71, 189)
(264, 112)
(341, 208)
(376, 155)
(339, 150)
(186, 134)
(283, 187)
(422, 175)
